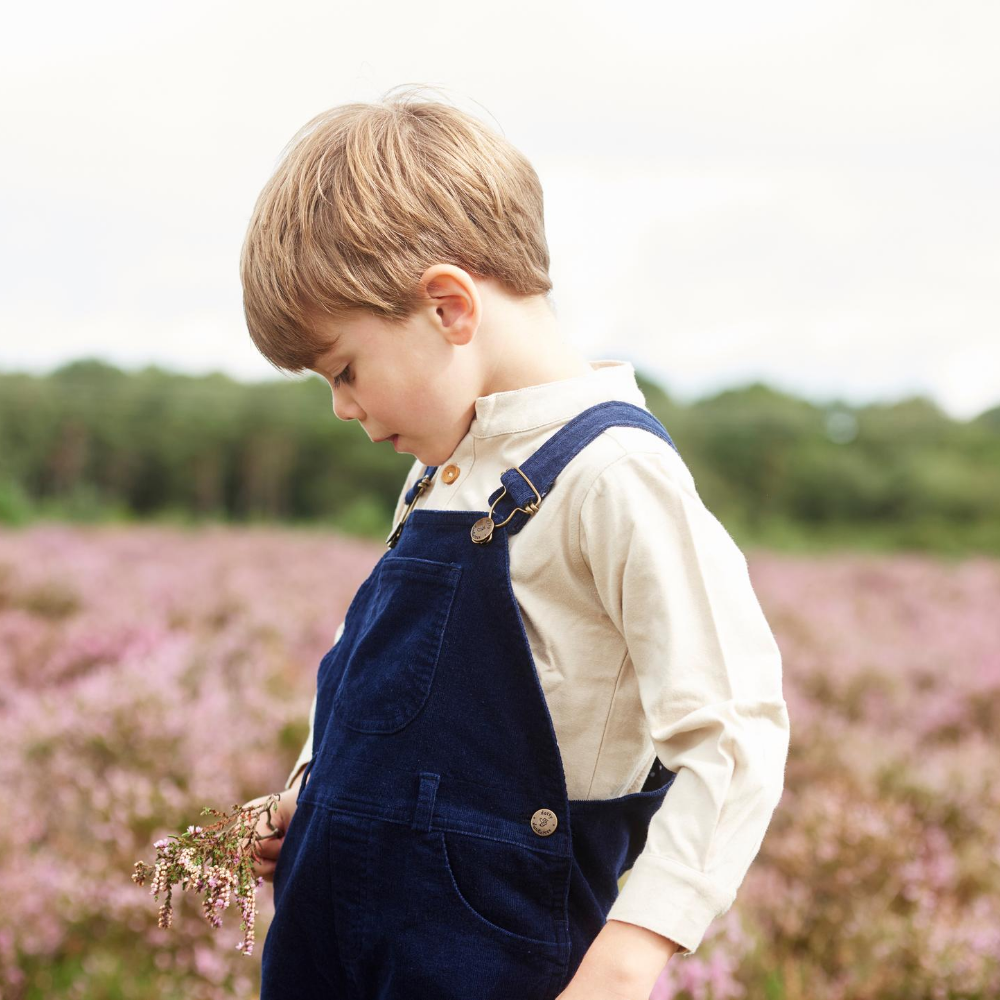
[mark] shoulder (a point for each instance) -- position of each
(644, 503)
(623, 461)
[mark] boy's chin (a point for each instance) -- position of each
(427, 456)
(426, 459)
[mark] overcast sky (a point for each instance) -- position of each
(804, 193)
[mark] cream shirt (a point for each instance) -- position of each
(647, 637)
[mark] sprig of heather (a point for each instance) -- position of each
(217, 860)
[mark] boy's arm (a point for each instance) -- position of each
(709, 674)
(305, 754)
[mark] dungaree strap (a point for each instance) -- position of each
(553, 456)
(429, 470)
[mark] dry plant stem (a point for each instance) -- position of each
(217, 860)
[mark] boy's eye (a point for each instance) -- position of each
(344, 376)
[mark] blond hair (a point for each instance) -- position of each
(365, 198)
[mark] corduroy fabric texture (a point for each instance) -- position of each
(430, 880)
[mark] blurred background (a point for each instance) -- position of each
(784, 215)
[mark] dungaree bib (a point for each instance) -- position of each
(434, 853)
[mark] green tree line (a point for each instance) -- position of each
(92, 442)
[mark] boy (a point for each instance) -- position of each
(558, 634)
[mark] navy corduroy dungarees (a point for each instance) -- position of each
(434, 853)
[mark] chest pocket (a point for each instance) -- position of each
(392, 640)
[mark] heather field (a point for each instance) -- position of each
(148, 671)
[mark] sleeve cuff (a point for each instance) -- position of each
(671, 899)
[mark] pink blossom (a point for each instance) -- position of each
(148, 671)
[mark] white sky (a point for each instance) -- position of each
(804, 193)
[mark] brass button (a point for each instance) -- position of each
(450, 473)
(544, 822)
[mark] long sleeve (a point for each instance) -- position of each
(305, 754)
(708, 670)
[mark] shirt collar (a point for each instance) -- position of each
(537, 405)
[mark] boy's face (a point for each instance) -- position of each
(409, 381)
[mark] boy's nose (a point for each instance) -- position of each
(345, 408)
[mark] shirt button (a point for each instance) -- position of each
(450, 473)
(544, 822)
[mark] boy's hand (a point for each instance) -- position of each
(623, 962)
(267, 849)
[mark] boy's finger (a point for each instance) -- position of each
(264, 869)
(267, 853)
(268, 848)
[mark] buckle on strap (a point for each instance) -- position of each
(420, 485)
(482, 530)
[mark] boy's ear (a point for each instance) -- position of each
(454, 301)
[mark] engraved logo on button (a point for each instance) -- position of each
(544, 822)
(482, 530)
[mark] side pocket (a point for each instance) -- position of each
(513, 891)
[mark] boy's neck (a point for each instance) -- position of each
(527, 347)
(524, 372)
